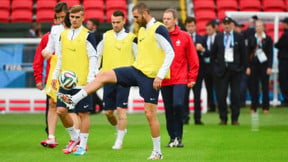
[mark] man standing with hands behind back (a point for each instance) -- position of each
(229, 59)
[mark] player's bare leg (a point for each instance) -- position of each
(151, 115)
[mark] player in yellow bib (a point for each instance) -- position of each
(118, 49)
(155, 55)
(77, 53)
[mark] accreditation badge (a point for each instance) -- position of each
(261, 56)
(229, 55)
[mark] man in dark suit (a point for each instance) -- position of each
(199, 41)
(208, 67)
(229, 59)
(283, 62)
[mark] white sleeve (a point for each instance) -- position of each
(59, 61)
(169, 55)
(50, 47)
(135, 49)
(93, 56)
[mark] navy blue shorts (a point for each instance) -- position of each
(115, 96)
(130, 76)
(84, 105)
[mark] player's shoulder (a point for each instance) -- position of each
(57, 28)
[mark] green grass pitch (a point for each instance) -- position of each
(20, 136)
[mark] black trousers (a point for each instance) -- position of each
(46, 114)
(232, 79)
(208, 78)
(173, 97)
(259, 75)
(197, 97)
(283, 78)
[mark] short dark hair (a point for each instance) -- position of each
(61, 6)
(94, 21)
(210, 23)
(141, 7)
(189, 20)
(118, 13)
(173, 11)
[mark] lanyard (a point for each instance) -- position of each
(259, 44)
(230, 40)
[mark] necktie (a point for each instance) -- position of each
(226, 41)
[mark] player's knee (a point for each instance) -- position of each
(109, 113)
(61, 111)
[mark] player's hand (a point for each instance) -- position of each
(54, 81)
(46, 54)
(157, 83)
(269, 71)
(40, 86)
(248, 71)
(191, 84)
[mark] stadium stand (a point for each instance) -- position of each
(26, 11)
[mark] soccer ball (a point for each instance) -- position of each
(68, 80)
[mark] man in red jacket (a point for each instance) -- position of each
(38, 65)
(173, 89)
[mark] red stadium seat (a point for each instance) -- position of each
(18, 4)
(273, 5)
(201, 27)
(4, 5)
(116, 5)
(204, 5)
(21, 15)
(4, 10)
(94, 13)
(205, 15)
(226, 5)
(45, 4)
(71, 3)
(4, 16)
(249, 5)
(93, 4)
(45, 16)
(110, 12)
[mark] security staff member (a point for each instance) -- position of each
(229, 59)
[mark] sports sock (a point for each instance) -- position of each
(120, 136)
(73, 134)
(78, 131)
(83, 140)
(79, 96)
(51, 136)
(156, 144)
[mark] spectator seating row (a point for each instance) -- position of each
(22, 10)
(206, 10)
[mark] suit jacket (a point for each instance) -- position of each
(282, 45)
(200, 39)
(207, 52)
(217, 55)
(267, 47)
